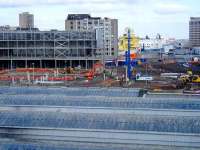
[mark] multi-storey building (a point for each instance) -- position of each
(106, 32)
(194, 31)
(23, 48)
(26, 20)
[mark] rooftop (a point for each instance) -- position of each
(80, 17)
(195, 18)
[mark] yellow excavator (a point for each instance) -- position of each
(195, 79)
(188, 79)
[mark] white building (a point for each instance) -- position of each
(152, 44)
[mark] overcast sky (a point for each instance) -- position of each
(167, 17)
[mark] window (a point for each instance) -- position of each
(95, 22)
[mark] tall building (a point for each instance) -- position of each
(26, 20)
(194, 31)
(106, 32)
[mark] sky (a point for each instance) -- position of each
(170, 18)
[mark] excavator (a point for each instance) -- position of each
(188, 79)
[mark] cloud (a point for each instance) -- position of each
(143, 16)
(13, 3)
(25, 3)
(170, 8)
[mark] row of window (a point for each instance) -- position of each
(46, 36)
(194, 22)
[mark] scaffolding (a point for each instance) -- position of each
(48, 48)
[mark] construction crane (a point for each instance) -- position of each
(128, 55)
(131, 59)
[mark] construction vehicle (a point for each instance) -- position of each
(187, 80)
(196, 79)
(189, 77)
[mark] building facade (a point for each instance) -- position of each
(194, 31)
(22, 48)
(152, 44)
(26, 20)
(106, 32)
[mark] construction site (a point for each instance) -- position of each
(74, 90)
(88, 54)
(72, 58)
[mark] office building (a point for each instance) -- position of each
(106, 32)
(26, 20)
(194, 31)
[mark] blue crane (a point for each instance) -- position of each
(128, 55)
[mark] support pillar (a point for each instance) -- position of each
(26, 63)
(86, 64)
(55, 64)
(70, 63)
(93, 62)
(40, 63)
(11, 64)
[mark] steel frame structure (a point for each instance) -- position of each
(48, 45)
